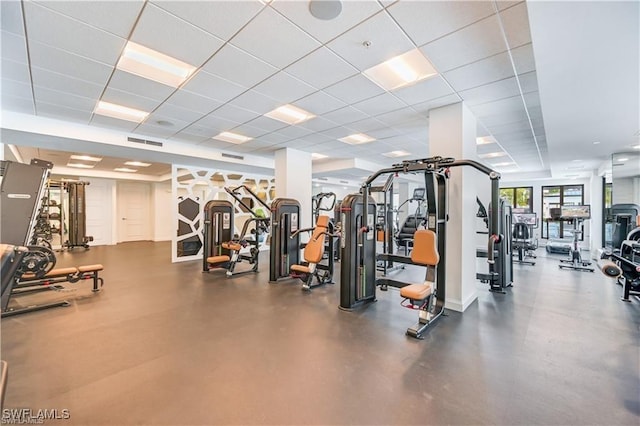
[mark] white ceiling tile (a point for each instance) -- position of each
(498, 107)
(319, 103)
(284, 88)
(426, 21)
(52, 28)
(63, 99)
(130, 100)
(11, 17)
(15, 88)
(353, 12)
(505, 118)
(470, 44)
(339, 132)
(532, 99)
(169, 124)
(318, 124)
(184, 136)
(380, 104)
(274, 39)
(17, 104)
(510, 127)
(239, 67)
(266, 124)
(528, 82)
(400, 116)
(112, 123)
(274, 138)
(256, 102)
(249, 130)
(204, 130)
(523, 58)
(216, 124)
(233, 113)
(505, 4)
(366, 125)
(386, 38)
(57, 111)
(220, 18)
(177, 113)
(491, 92)
(131, 83)
(317, 138)
(100, 14)
(424, 107)
(482, 72)
(216, 144)
(154, 131)
(345, 115)
(168, 34)
(14, 47)
(425, 90)
(293, 132)
(71, 65)
(354, 89)
(213, 87)
(516, 25)
(321, 68)
(16, 71)
(63, 83)
(193, 101)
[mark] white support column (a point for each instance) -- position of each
(596, 238)
(452, 133)
(293, 180)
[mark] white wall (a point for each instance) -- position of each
(100, 219)
(626, 190)
(164, 226)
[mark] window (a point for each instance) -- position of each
(552, 198)
(521, 199)
(607, 223)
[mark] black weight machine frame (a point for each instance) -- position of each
(358, 283)
(284, 249)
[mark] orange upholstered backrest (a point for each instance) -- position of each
(314, 249)
(425, 248)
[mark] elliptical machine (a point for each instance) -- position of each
(576, 214)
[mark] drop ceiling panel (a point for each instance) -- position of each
(505, 118)
(284, 88)
(63, 99)
(249, 130)
(516, 25)
(154, 131)
(274, 39)
(431, 88)
(366, 125)
(214, 87)
(15, 88)
(318, 124)
(187, 137)
(319, 103)
(216, 144)
(424, 107)
(63, 83)
(16, 71)
(400, 117)
(491, 92)
(133, 84)
(256, 102)
(168, 34)
(215, 124)
(321, 68)
(528, 82)
(193, 101)
(235, 114)
(58, 111)
(113, 123)
(201, 129)
(429, 20)
(238, 66)
(345, 115)
(267, 124)
(354, 89)
(386, 38)
(169, 123)
(380, 104)
(71, 65)
(17, 104)
(523, 58)
(498, 107)
(129, 100)
(100, 14)
(480, 73)
(220, 18)
(532, 99)
(353, 12)
(11, 17)
(174, 112)
(46, 26)
(294, 132)
(14, 47)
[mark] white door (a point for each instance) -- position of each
(99, 199)
(134, 212)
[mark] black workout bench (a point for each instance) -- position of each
(28, 282)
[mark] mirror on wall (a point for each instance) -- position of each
(624, 212)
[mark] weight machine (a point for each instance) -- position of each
(523, 241)
(284, 250)
(576, 214)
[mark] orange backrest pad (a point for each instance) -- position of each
(314, 249)
(425, 248)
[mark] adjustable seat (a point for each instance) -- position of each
(424, 253)
(313, 253)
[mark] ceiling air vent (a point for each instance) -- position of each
(323, 178)
(144, 141)
(344, 181)
(236, 157)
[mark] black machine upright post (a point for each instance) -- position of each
(284, 251)
(218, 229)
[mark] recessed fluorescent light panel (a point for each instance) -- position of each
(156, 66)
(357, 139)
(85, 158)
(232, 138)
(124, 170)
(81, 165)
(396, 154)
(493, 154)
(137, 164)
(290, 114)
(317, 156)
(402, 70)
(120, 112)
(484, 140)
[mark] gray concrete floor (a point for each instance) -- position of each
(165, 344)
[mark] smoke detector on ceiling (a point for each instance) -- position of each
(325, 9)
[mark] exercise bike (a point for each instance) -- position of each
(576, 214)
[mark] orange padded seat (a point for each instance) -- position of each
(300, 268)
(416, 291)
(59, 272)
(90, 268)
(425, 248)
(231, 246)
(314, 249)
(218, 259)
